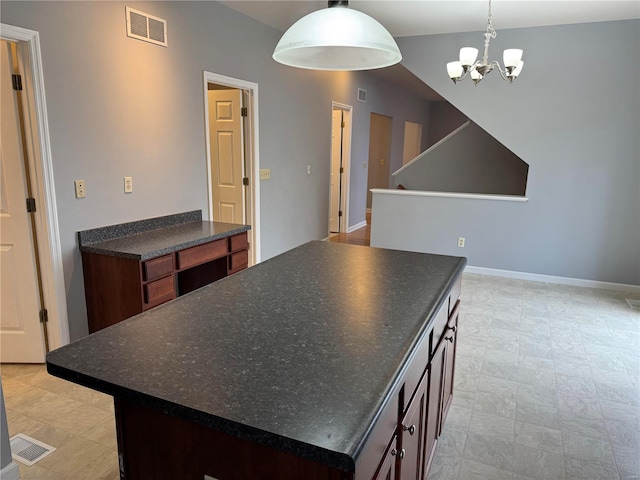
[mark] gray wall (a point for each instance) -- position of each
(471, 161)
(120, 107)
(573, 116)
(444, 118)
(5, 447)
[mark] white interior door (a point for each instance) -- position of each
(21, 338)
(227, 155)
(336, 163)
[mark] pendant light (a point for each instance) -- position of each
(337, 38)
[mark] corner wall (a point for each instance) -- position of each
(573, 116)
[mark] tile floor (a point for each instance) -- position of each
(77, 421)
(547, 387)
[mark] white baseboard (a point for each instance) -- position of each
(535, 277)
(10, 472)
(357, 226)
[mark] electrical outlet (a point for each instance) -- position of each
(461, 242)
(308, 169)
(265, 174)
(128, 184)
(81, 192)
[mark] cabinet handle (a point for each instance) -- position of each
(411, 429)
(400, 454)
(453, 329)
(449, 338)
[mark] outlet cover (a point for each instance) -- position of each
(128, 184)
(81, 191)
(461, 242)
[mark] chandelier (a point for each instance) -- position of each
(477, 70)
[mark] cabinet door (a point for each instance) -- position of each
(434, 402)
(413, 427)
(450, 337)
(387, 470)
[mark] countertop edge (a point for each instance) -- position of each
(315, 453)
(91, 248)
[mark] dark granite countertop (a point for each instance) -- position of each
(299, 352)
(154, 237)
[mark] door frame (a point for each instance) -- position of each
(41, 172)
(346, 163)
(252, 155)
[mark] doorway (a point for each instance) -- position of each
(339, 168)
(231, 123)
(379, 154)
(37, 169)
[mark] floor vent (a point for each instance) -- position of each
(27, 450)
(146, 27)
(634, 303)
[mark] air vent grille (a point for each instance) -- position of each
(362, 95)
(145, 27)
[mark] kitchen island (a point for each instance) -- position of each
(329, 361)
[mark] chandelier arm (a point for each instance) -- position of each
(503, 73)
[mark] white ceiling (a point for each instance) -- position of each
(424, 17)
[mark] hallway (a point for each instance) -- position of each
(362, 236)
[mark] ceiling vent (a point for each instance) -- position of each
(362, 95)
(146, 27)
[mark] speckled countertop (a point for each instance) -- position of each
(299, 352)
(145, 239)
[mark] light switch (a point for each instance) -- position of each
(308, 169)
(382, 161)
(265, 174)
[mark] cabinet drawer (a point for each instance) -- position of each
(238, 242)
(238, 261)
(202, 253)
(157, 267)
(455, 294)
(439, 325)
(159, 291)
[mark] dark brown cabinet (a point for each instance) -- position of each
(425, 397)
(117, 288)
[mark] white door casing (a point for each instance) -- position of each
(227, 155)
(335, 175)
(252, 154)
(21, 338)
(41, 169)
(346, 111)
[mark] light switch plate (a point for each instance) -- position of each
(265, 174)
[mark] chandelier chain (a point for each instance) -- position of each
(490, 28)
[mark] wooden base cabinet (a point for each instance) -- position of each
(117, 288)
(421, 421)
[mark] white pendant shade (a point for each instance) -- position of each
(511, 57)
(337, 38)
(454, 69)
(468, 56)
(518, 69)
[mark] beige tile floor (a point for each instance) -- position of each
(547, 387)
(77, 421)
